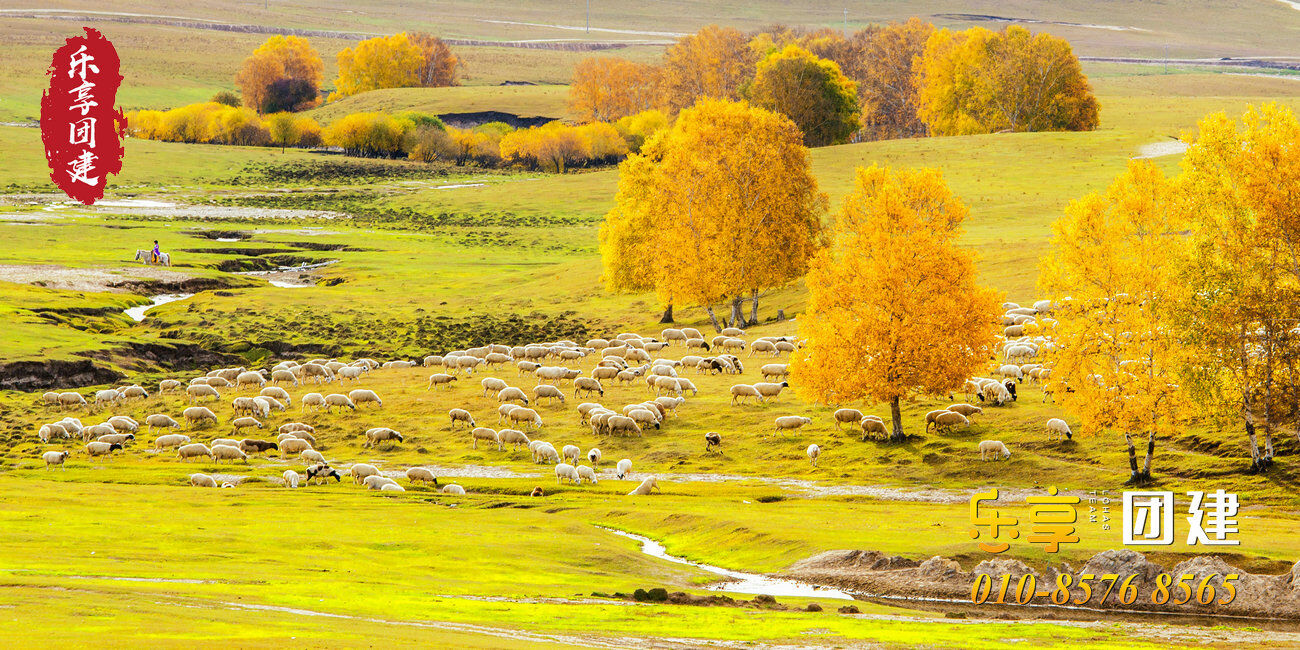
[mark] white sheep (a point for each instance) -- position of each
(161, 421)
(791, 422)
(363, 396)
(648, 486)
(196, 414)
(312, 456)
(624, 468)
(196, 391)
(170, 440)
(571, 452)
(293, 446)
(512, 394)
(741, 391)
(291, 478)
(244, 423)
(813, 452)
(440, 379)
(593, 456)
(948, 419)
(484, 433)
(492, 385)
(338, 400)
(512, 437)
(994, 447)
(53, 458)
(526, 416)
(460, 415)
(453, 489)
(421, 474)
(588, 474)
(381, 434)
(361, 471)
(313, 400)
(1057, 428)
(546, 391)
(202, 480)
(566, 471)
(193, 450)
(377, 482)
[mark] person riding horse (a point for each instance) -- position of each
(156, 253)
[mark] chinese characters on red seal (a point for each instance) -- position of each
(80, 127)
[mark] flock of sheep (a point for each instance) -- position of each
(622, 361)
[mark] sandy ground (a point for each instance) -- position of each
(1161, 149)
(99, 279)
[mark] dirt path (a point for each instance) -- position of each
(88, 279)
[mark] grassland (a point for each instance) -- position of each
(431, 258)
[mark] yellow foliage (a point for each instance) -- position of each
(809, 90)
(720, 205)
(978, 81)
(635, 129)
(605, 89)
(713, 62)
(893, 307)
(379, 62)
(368, 134)
(552, 146)
(280, 58)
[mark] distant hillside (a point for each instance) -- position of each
(522, 101)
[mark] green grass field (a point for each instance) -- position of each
(428, 258)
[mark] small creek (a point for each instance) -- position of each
(137, 313)
(289, 277)
(740, 582)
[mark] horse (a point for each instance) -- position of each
(144, 257)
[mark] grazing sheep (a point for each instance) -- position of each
(460, 415)
(594, 456)
(168, 385)
(132, 392)
(363, 396)
(1057, 428)
(312, 456)
(872, 425)
(51, 398)
(994, 393)
(293, 446)
(512, 437)
(265, 404)
(422, 475)
(291, 427)
(244, 423)
(254, 446)
(566, 471)
(440, 379)
(571, 452)
(525, 415)
(320, 472)
(161, 421)
(48, 431)
(170, 440)
(546, 391)
(791, 422)
(966, 409)
(493, 385)
(196, 391)
(338, 400)
(711, 440)
(391, 487)
(813, 452)
(193, 450)
(775, 371)
(196, 414)
(227, 452)
(932, 416)
(350, 372)
(617, 424)
(202, 480)
(291, 478)
(741, 391)
(98, 448)
(504, 410)
(249, 378)
(285, 376)
(770, 391)
(544, 452)
(589, 385)
(361, 471)
(107, 396)
(994, 447)
(71, 399)
(452, 488)
(314, 400)
(380, 434)
(762, 346)
(947, 420)
(644, 417)
(624, 468)
(377, 482)
(512, 394)
(588, 474)
(649, 485)
(53, 458)
(484, 433)
(847, 416)
(224, 441)
(119, 438)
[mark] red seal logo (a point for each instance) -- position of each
(81, 128)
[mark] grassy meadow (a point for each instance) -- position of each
(429, 258)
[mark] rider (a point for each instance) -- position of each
(157, 254)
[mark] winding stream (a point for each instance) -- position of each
(740, 582)
(137, 313)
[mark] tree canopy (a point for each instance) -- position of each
(809, 90)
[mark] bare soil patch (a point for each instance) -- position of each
(116, 279)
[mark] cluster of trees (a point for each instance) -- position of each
(215, 122)
(551, 147)
(285, 73)
(1179, 296)
(398, 61)
(886, 81)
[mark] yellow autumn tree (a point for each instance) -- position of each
(380, 62)
(729, 191)
(440, 65)
(893, 308)
(605, 89)
(1240, 190)
(713, 62)
(978, 81)
(1112, 278)
(283, 74)
(811, 91)
(636, 129)
(887, 82)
